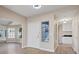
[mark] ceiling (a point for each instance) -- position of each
(4, 21)
(28, 10)
(7, 21)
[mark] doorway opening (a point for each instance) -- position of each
(64, 40)
(10, 31)
(65, 33)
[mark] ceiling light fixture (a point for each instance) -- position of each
(36, 6)
(64, 22)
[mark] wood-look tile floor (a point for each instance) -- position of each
(15, 48)
(64, 49)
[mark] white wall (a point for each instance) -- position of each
(34, 32)
(74, 33)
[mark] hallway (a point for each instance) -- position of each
(15, 48)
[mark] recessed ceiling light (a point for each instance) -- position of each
(36, 6)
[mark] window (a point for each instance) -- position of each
(45, 31)
(11, 32)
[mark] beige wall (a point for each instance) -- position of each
(7, 14)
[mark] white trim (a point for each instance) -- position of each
(24, 46)
(44, 49)
(75, 50)
(55, 48)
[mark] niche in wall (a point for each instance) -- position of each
(45, 31)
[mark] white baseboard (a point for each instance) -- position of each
(24, 46)
(44, 49)
(55, 48)
(75, 50)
